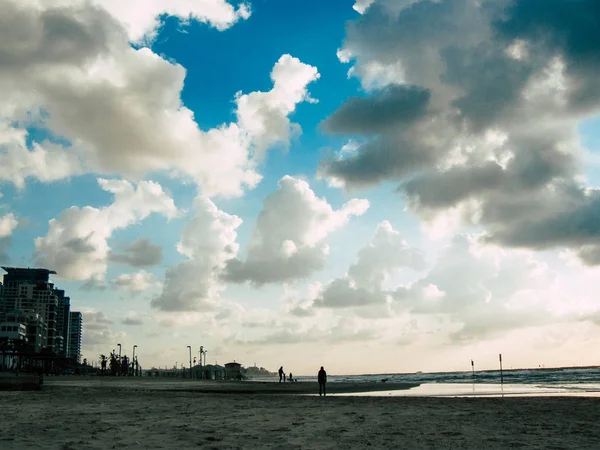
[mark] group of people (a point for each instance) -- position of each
(282, 376)
(321, 377)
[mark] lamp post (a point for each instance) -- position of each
(133, 361)
(190, 349)
(119, 366)
(201, 365)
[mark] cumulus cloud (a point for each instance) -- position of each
(95, 320)
(141, 18)
(340, 331)
(389, 108)
(377, 262)
(136, 282)
(76, 245)
(288, 240)
(503, 290)
(140, 253)
(8, 223)
(264, 115)
(98, 334)
(111, 108)
(207, 242)
(508, 82)
(473, 291)
(45, 161)
(362, 5)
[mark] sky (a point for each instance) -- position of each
(374, 186)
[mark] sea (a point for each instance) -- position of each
(562, 381)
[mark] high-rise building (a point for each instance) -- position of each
(62, 323)
(29, 293)
(75, 329)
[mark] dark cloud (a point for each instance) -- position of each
(491, 80)
(573, 27)
(573, 222)
(441, 190)
(522, 71)
(569, 29)
(259, 272)
(391, 107)
(140, 253)
(59, 35)
(387, 157)
(538, 160)
(590, 254)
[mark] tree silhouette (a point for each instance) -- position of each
(114, 364)
(124, 366)
(103, 361)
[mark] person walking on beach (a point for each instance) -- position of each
(280, 374)
(322, 377)
(291, 378)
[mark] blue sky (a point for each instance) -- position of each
(441, 186)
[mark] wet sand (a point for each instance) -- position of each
(99, 414)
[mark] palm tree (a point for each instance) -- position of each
(103, 360)
(114, 363)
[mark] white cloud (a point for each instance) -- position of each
(386, 253)
(140, 18)
(136, 282)
(8, 223)
(45, 161)
(264, 115)
(363, 285)
(76, 244)
(376, 75)
(119, 108)
(288, 240)
(362, 5)
(208, 241)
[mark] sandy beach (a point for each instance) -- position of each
(99, 414)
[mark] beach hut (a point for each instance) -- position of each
(233, 371)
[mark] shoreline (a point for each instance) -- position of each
(220, 387)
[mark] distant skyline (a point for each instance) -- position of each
(372, 185)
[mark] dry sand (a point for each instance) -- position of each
(100, 414)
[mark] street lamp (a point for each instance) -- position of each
(133, 361)
(201, 368)
(190, 349)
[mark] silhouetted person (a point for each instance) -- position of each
(291, 377)
(280, 374)
(322, 377)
